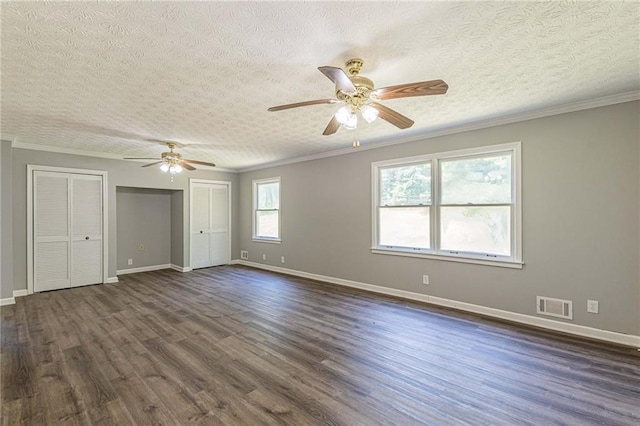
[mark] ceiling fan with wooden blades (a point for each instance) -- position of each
(172, 162)
(359, 95)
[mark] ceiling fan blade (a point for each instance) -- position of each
(204, 163)
(393, 117)
(140, 158)
(339, 78)
(421, 88)
(186, 165)
(301, 104)
(332, 127)
(153, 164)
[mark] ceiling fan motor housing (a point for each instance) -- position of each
(364, 86)
(171, 156)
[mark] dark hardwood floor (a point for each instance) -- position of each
(237, 346)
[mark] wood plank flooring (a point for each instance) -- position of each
(237, 346)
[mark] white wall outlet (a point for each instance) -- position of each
(141, 248)
(592, 306)
(425, 279)
(244, 254)
(264, 256)
(282, 259)
(129, 261)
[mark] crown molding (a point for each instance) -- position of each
(4, 137)
(61, 150)
(465, 127)
(379, 143)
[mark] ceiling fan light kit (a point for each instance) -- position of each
(172, 162)
(358, 94)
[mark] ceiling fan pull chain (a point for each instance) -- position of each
(356, 140)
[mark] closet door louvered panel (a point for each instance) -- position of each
(51, 231)
(86, 225)
(86, 263)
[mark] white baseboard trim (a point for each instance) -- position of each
(20, 293)
(7, 301)
(180, 268)
(112, 280)
(579, 330)
(143, 269)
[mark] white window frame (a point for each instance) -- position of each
(513, 261)
(256, 183)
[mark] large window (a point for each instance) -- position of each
(266, 209)
(461, 205)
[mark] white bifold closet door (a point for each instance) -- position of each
(209, 225)
(67, 230)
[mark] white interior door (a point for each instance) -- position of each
(209, 224)
(67, 230)
(219, 231)
(200, 225)
(86, 225)
(51, 231)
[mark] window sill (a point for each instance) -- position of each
(267, 240)
(498, 263)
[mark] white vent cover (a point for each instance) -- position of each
(554, 307)
(244, 254)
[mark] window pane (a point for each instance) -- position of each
(483, 180)
(406, 185)
(269, 195)
(404, 227)
(476, 229)
(267, 224)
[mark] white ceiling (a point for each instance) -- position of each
(105, 77)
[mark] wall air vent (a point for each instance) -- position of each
(554, 307)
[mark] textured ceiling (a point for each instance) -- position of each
(107, 76)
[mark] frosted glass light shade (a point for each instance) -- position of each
(369, 113)
(343, 114)
(164, 167)
(352, 122)
(175, 168)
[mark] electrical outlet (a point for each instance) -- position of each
(244, 254)
(425, 279)
(282, 259)
(592, 306)
(264, 256)
(129, 261)
(141, 248)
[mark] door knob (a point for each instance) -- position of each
(86, 238)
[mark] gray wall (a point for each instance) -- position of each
(120, 173)
(580, 219)
(6, 230)
(177, 228)
(143, 217)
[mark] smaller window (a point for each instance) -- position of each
(266, 209)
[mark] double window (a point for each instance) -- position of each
(462, 205)
(266, 210)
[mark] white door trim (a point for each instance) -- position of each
(105, 219)
(217, 182)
